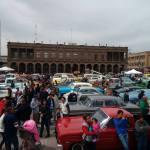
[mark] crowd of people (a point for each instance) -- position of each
(33, 110)
(38, 107)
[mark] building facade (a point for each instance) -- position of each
(52, 58)
(139, 61)
(3, 61)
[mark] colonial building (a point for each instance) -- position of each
(3, 61)
(52, 58)
(139, 61)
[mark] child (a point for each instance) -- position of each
(96, 127)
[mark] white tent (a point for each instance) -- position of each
(133, 71)
(6, 69)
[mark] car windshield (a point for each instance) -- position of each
(70, 75)
(87, 102)
(100, 116)
(57, 76)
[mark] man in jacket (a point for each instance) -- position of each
(142, 128)
(144, 106)
(10, 123)
(121, 124)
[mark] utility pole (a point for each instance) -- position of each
(36, 34)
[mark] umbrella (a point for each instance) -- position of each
(133, 71)
(6, 69)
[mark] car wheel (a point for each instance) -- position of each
(77, 146)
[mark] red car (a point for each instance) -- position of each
(69, 131)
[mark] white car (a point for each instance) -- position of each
(83, 90)
(62, 77)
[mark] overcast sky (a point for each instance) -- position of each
(115, 22)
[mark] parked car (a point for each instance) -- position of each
(62, 77)
(126, 81)
(133, 95)
(72, 86)
(124, 89)
(109, 101)
(69, 131)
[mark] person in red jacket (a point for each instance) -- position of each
(88, 133)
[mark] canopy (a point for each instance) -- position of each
(133, 71)
(6, 69)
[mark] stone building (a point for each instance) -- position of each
(3, 61)
(139, 61)
(52, 58)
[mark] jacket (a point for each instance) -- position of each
(30, 126)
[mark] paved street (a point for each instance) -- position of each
(47, 143)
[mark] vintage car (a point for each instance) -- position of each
(72, 86)
(108, 101)
(62, 77)
(133, 95)
(85, 90)
(69, 131)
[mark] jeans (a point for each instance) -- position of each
(11, 140)
(142, 143)
(45, 122)
(124, 140)
(3, 140)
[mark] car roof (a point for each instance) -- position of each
(103, 97)
(81, 83)
(86, 87)
(112, 112)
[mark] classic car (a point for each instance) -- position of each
(133, 95)
(84, 90)
(124, 89)
(72, 86)
(126, 81)
(109, 101)
(62, 77)
(69, 131)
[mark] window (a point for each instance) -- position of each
(68, 55)
(38, 55)
(96, 57)
(45, 55)
(111, 103)
(97, 103)
(83, 99)
(60, 55)
(53, 55)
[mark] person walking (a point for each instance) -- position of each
(51, 105)
(23, 111)
(35, 109)
(45, 115)
(142, 127)
(121, 124)
(10, 131)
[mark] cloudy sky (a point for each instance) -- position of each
(115, 22)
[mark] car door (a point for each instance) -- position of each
(108, 139)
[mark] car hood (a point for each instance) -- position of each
(78, 109)
(69, 125)
(64, 89)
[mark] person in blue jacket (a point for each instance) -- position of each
(121, 126)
